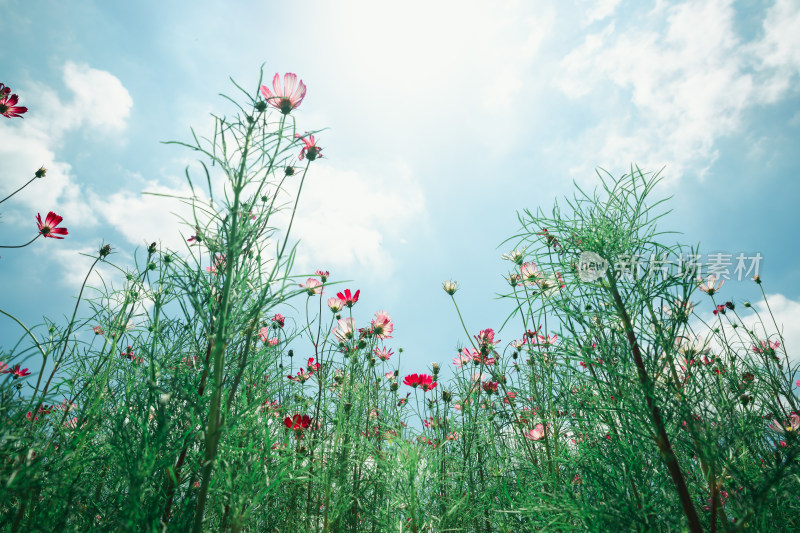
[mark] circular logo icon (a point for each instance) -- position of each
(591, 266)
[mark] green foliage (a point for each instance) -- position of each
(606, 413)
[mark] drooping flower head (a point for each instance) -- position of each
(287, 98)
(8, 103)
(348, 298)
(310, 149)
(48, 227)
(279, 319)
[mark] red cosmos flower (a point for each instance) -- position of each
(48, 228)
(489, 386)
(720, 309)
(297, 422)
(423, 381)
(310, 150)
(348, 298)
(15, 370)
(382, 325)
(288, 98)
(8, 103)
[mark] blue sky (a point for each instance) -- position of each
(444, 119)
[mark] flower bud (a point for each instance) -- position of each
(289, 171)
(450, 287)
(41, 172)
(151, 249)
(447, 396)
(435, 368)
(394, 386)
(730, 305)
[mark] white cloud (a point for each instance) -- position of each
(599, 10)
(665, 93)
(144, 218)
(98, 101)
(346, 219)
(786, 324)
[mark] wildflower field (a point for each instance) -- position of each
(219, 388)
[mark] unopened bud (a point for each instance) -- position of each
(41, 172)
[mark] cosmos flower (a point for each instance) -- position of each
(48, 228)
(348, 298)
(287, 98)
(310, 149)
(8, 103)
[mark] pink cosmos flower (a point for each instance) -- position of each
(48, 228)
(485, 340)
(323, 275)
(383, 354)
(345, 330)
(791, 425)
(348, 298)
(462, 359)
(710, 286)
(279, 319)
(312, 286)
(219, 264)
(679, 308)
(767, 347)
(289, 97)
(8, 103)
(98, 330)
(544, 340)
(382, 325)
(551, 284)
(537, 433)
(335, 304)
(310, 149)
(529, 273)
